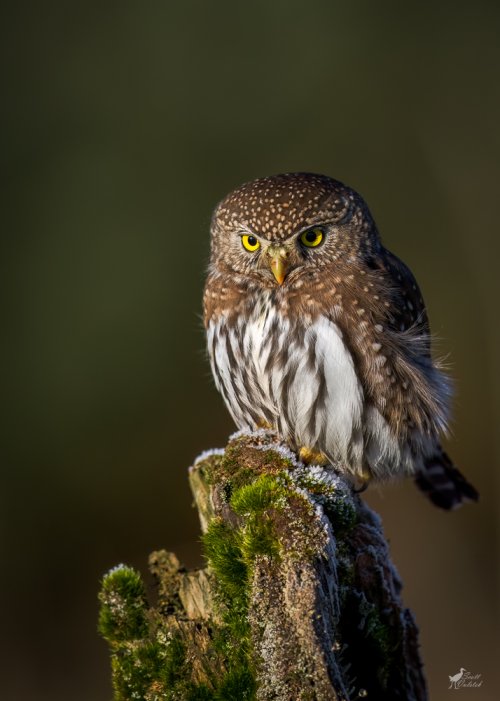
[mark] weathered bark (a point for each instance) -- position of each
(299, 599)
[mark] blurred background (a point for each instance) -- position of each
(122, 124)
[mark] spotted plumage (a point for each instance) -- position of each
(317, 331)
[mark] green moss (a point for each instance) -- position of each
(264, 514)
(231, 551)
(200, 692)
(339, 507)
(209, 468)
(232, 466)
(172, 666)
(377, 640)
(277, 461)
(150, 671)
(385, 640)
(135, 669)
(147, 662)
(266, 491)
(341, 513)
(379, 631)
(258, 538)
(239, 684)
(227, 492)
(315, 485)
(345, 571)
(222, 549)
(257, 503)
(242, 462)
(123, 605)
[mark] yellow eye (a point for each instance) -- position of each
(312, 237)
(251, 243)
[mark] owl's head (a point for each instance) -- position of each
(278, 228)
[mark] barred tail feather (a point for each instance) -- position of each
(443, 484)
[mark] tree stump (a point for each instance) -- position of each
(299, 599)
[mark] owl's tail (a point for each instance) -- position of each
(445, 486)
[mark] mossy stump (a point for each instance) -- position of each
(299, 599)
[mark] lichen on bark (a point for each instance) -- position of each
(298, 600)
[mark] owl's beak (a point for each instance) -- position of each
(279, 264)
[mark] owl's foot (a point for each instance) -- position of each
(264, 425)
(311, 457)
(361, 482)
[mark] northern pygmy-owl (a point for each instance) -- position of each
(317, 331)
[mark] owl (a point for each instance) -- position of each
(318, 332)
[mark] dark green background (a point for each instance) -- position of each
(122, 124)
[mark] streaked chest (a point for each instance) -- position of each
(293, 374)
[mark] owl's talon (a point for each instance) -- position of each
(311, 457)
(361, 483)
(265, 425)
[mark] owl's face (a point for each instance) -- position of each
(279, 228)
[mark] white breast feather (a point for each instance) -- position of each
(354, 435)
(344, 402)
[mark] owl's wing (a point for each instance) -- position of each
(438, 478)
(407, 311)
(392, 349)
